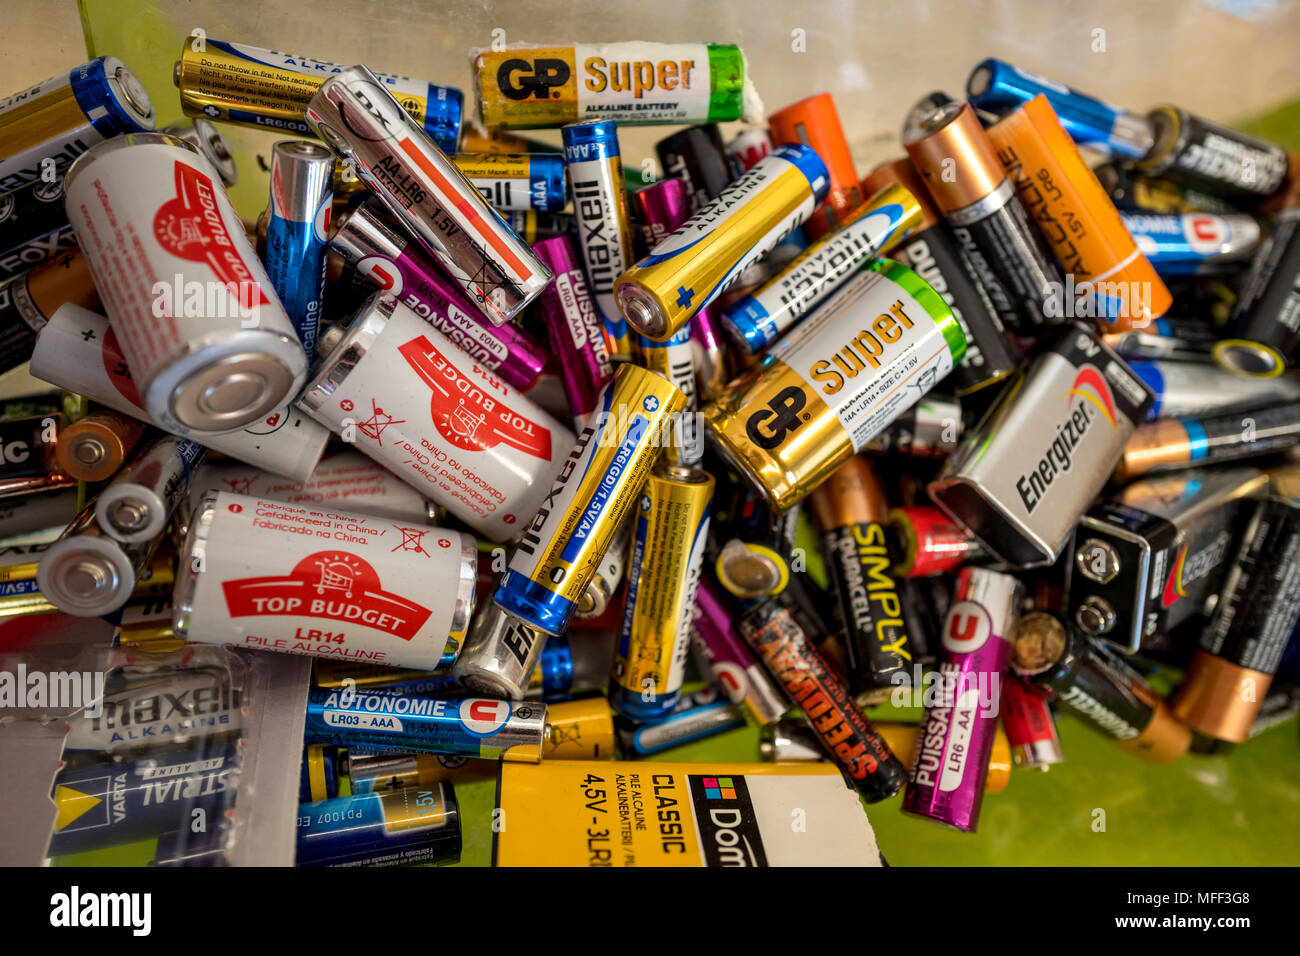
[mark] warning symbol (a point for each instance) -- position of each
(241, 486)
(374, 426)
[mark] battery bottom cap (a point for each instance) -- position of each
(127, 515)
(1248, 359)
(224, 392)
(86, 576)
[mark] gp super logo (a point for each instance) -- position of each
(519, 79)
(767, 428)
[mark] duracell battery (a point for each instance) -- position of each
(29, 299)
(94, 448)
(1212, 158)
(1172, 443)
(1098, 687)
(850, 509)
(933, 254)
(1241, 648)
(698, 157)
(951, 151)
(1105, 271)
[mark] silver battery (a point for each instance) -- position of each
(609, 575)
(499, 656)
(38, 510)
(354, 113)
(141, 498)
(86, 573)
(204, 137)
(1021, 480)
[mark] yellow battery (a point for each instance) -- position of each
(696, 264)
(675, 361)
(667, 552)
(836, 381)
(579, 730)
(492, 165)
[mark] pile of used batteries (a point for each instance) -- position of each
(1004, 371)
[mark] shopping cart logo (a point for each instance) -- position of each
(336, 574)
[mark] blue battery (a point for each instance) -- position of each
(1000, 88)
(297, 232)
(679, 727)
(517, 182)
(319, 779)
(416, 723)
(1194, 243)
(399, 827)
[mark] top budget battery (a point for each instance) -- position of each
(58, 120)
(242, 84)
(527, 86)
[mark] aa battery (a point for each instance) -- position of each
(814, 122)
(733, 664)
(746, 148)
(27, 302)
(1264, 334)
(242, 84)
(499, 656)
(1186, 340)
(205, 137)
(697, 263)
(591, 154)
(425, 410)
(259, 574)
(1150, 559)
(86, 572)
(1212, 158)
(870, 229)
(1028, 722)
(849, 508)
(980, 199)
(44, 128)
(95, 447)
(1200, 389)
(1194, 243)
(1001, 88)
(297, 232)
(674, 359)
(213, 369)
(1239, 651)
(524, 86)
(830, 386)
(929, 542)
(33, 226)
(407, 826)
(533, 227)
(856, 747)
(397, 721)
(947, 779)
(1097, 686)
(1185, 442)
(713, 367)
(680, 727)
(697, 159)
(672, 524)
(29, 455)
(594, 491)
(757, 541)
(355, 114)
(516, 181)
(1021, 480)
(609, 575)
(137, 504)
(1107, 276)
(661, 208)
(381, 251)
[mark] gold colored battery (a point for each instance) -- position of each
(95, 447)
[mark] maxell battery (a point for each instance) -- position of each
(1259, 608)
(947, 778)
(1201, 389)
(1185, 442)
(102, 805)
(437, 419)
(1205, 156)
(696, 264)
(44, 128)
(672, 523)
(591, 154)
(573, 327)
(471, 726)
(407, 826)
(863, 358)
(516, 181)
(95, 447)
(200, 368)
(814, 122)
(1027, 720)
(1097, 686)
(1194, 243)
(849, 508)
(609, 575)
(499, 656)
(746, 148)
(33, 226)
(682, 726)
(35, 512)
(1021, 480)
(1107, 276)
(205, 137)
(354, 113)
(1001, 88)
(137, 504)
(674, 359)
(242, 84)
(1264, 332)
(250, 576)
(297, 232)
(27, 302)
(696, 157)
(29, 455)
(525, 86)
(380, 250)
(787, 652)
(594, 491)
(869, 229)
(78, 351)
(932, 252)
(928, 542)
(733, 664)
(976, 195)
(1150, 558)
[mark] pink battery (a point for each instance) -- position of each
(573, 327)
(662, 207)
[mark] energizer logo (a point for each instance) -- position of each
(1058, 457)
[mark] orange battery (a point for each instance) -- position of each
(1107, 278)
(814, 122)
(95, 447)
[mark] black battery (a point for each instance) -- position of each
(698, 157)
(1212, 158)
(33, 226)
(1264, 332)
